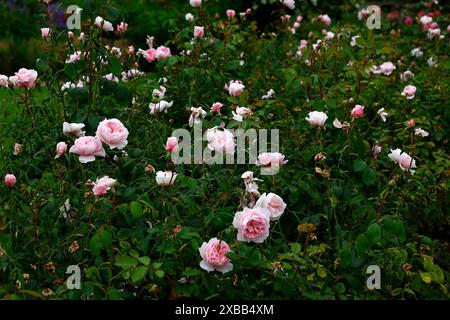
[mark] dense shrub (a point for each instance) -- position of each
(349, 205)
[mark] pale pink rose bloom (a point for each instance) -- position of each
(199, 32)
(105, 25)
(216, 107)
(358, 111)
(113, 133)
(325, 19)
(74, 57)
(426, 20)
(10, 180)
(213, 256)
(220, 140)
(252, 224)
(103, 185)
(289, 3)
(131, 50)
(162, 53)
(150, 54)
(189, 17)
(303, 44)
(81, 36)
(45, 32)
(70, 34)
(161, 106)
(266, 159)
(3, 81)
(231, 13)
(24, 78)
(195, 3)
(339, 125)
(403, 159)
(122, 27)
(387, 68)
(165, 178)
(172, 144)
(61, 149)
(317, 118)
(87, 148)
(235, 88)
(409, 92)
(273, 203)
(421, 133)
(376, 150)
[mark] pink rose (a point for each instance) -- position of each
(266, 159)
(216, 107)
(358, 111)
(10, 180)
(87, 148)
(325, 19)
(195, 3)
(61, 149)
(408, 21)
(317, 118)
(289, 3)
(252, 224)
(24, 78)
(122, 27)
(172, 144)
(213, 256)
(409, 92)
(387, 68)
(199, 32)
(45, 32)
(220, 140)
(70, 34)
(3, 81)
(273, 203)
(102, 185)
(113, 133)
(150, 55)
(404, 160)
(235, 88)
(130, 50)
(162, 53)
(189, 17)
(410, 123)
(231, 13)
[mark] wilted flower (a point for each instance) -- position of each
(404, 160)
(216, 107)
(269, 94)
(417, 53)
(73, 129)
(421, 133)
(240, 113)
(409, 92)
(45, 32)
(103, 185)
(383, 114)
(273, 203)
(160, 106)
(18, 148)
(74, 246)
(250, 183)
(337, 124)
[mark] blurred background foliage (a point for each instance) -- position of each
(21, 20)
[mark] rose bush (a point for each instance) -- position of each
(368, 188)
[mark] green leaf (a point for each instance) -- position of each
(144, 260)
(136, 209)
(70, 71)
(159, 273)
(116, 66)
(95, 245)
(42, 65)
(125, 261)
(106, 238)
(139, 273)
(369, 177)
(321, 271)
(373, 234)
(359, 165)
(426, 277)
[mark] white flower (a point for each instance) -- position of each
(159, 93)
(189, 17)
(317, 118)
(105, 25)
(417, 53)
(73, 129)
(421, 133)
(339, 125)
(111, 77)
(197, 114)
(165, 178)
(160, 106)
(241, 113)
(431, 62)
(289, 3)
(353, 41)
(383, 114)
(404, 160)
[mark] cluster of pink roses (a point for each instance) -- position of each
(24, 78)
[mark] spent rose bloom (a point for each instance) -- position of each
(199, 32)
(220, 140)
(383, 114)
(10, 180)
(317, 118)
(113, 133)
(376, 150)
(61, 149)
(103, 185)
(195, 3)
(197, 114)
(409, 92)
(358, 111)
(73, 129)
(252, 224)
(421, 133)
(213, 256)
(165, 178)
(87, 148)
(241, 113)
(216, 107)
(3, 81)
(338, 124)
(235, 88)
(24, 78)
(273, 203)
(74, 57)
(45, 32)
(172, 144)
(160, 106)
(250, 183)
